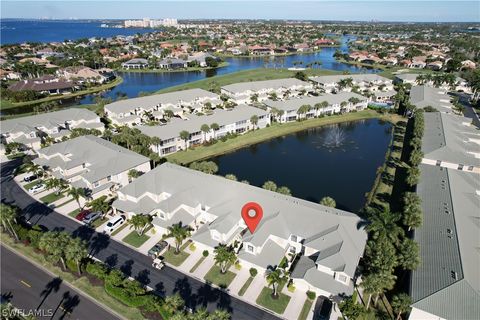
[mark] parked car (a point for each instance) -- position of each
(91, 217)
(157, 249)
(114, 223)
(38, 188)
(82, 214)
(323, 308)
(158, 263)
(30, 177)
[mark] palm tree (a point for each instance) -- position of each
(409, 254)
(412, 211)
(179, 233)
(372, 285)
(140, 222)
(100, 205)
(413, 175)
(270, 185)
(275, 276)
(34, 168)
(54, 244)
(231, 177)
(156, 141)
(174, 302)
(76, 193)
(284, 190)
(401, 304)
(328, 202)
(220, 314)
(185, 135)
(205, 128)
(224, 256)
(8, 217)
(384, 224)
(254, 98)
(76, 251)
(58, 184)
(254, 121)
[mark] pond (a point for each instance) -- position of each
(338, 160)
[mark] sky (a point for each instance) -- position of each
(353, 10)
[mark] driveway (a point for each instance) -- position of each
(131, 262)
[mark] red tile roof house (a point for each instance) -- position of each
(46, 84)
(322, 41)
(259, 50)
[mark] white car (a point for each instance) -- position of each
(114, 223)
(37, 188)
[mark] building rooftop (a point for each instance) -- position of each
(295, 103)
(176, 97)
(47, 120)
(423, 96)
(266, 84)
(368, 77)
(447, 282)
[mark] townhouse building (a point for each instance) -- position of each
(91, 163)
(242, 92)
(335, 103)
(325, 243)
(131, 111)
(31, 130)
(365, 82)
(236, 120)
(423, 96)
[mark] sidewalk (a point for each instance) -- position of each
(294, 307)
(238, 282)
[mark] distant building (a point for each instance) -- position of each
(137, 63)
(150, 23)
(46, 85)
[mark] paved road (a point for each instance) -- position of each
(30, 288)
(134, 264)
(464, 99)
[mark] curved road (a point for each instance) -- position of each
(165, 282)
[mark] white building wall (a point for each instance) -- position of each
(417, 314)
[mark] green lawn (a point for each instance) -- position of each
(305, 310)
(245, 76)
(277, 305)
(245, 286)
(64, 203)
(222, 280)
(189, 69)
(33, 183)
(135, 240)
(275, 130)
(197, 264)
(74, 213)
(52, 197)
(125, 224)
(175, 259)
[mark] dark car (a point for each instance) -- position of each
(157, 249)
(82, 215)
(323, 308)
(29, 178)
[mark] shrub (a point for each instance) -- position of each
(192, 247)
(311, 295)
(238, 266)
(34, 236)
(115, 277)
(291, 287)
(121, 295)
(72, 266)
(253, 272)
(205, 253)
(21, 231)
(97, 269)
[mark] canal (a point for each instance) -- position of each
(339, 161)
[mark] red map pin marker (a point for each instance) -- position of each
(252, 214)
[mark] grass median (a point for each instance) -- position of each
(277, 305)
(215, 276)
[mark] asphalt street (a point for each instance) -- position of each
(165, 282)
(35, 291)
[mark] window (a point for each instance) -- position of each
(96, 184)
(460, 167)
(32, 135)
(250, 248)
(342, 278)
(109, 178)
(293, 238)
(439, 163)
(292, 250)
(162, 215)
(84, 165)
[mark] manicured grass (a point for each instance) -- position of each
(125, 224)
(66, 202)
(197, 264)
(135, 240)
(74, 213)
(5, 104)
(244, 76)
(97, 223)
(277, 305)
(52, 197)
(33, 183)
(175, 259)
(275, 130)
(305, 309)
(245, 286)
(95, 292)
(222, 280)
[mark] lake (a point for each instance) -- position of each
(312, 166)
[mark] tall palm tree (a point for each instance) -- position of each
(156, 141)
(76, 193)
(54, 244)
(205, 128)
(224, 256)
(384, 224)
(100, 205)
(174, 302)
(184, 135)
(220, 314)
(8, 217)
(401, 304)
(329, 202)
(372, 285)
(412, 211)
(179, 233)
(254, 121)
(76, 251)
(141, 222)
(275, 277)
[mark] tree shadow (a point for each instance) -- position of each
(52, 286)
(126, 268)
(183, 287)
(206, 294)
(143, 277)
(160, 289)
(224, 302)
(98, 243)
(69, 303)
(83, 232)
(111, 261)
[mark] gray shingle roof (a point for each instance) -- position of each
(447, 283)
(48, 120)
(295, 103)
(185, 96)
(446, 138)
(423, 96)
(368, 77)
(266, 84)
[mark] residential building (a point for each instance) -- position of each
(91, 163)
(137, 63)
(84, 74)
(385, 96)
(423, 96)
(45, 85)
(290, 107)
(242, 92)
(451, 141)
(172, 63)
(236, 120)
(446, 284)
(131, 111)
(364, 82)
(327, 242)
(31, 130)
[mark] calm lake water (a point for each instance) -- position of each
(309, 163)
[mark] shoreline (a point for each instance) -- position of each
(192, 69)
(222, 55)
(274, 131)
